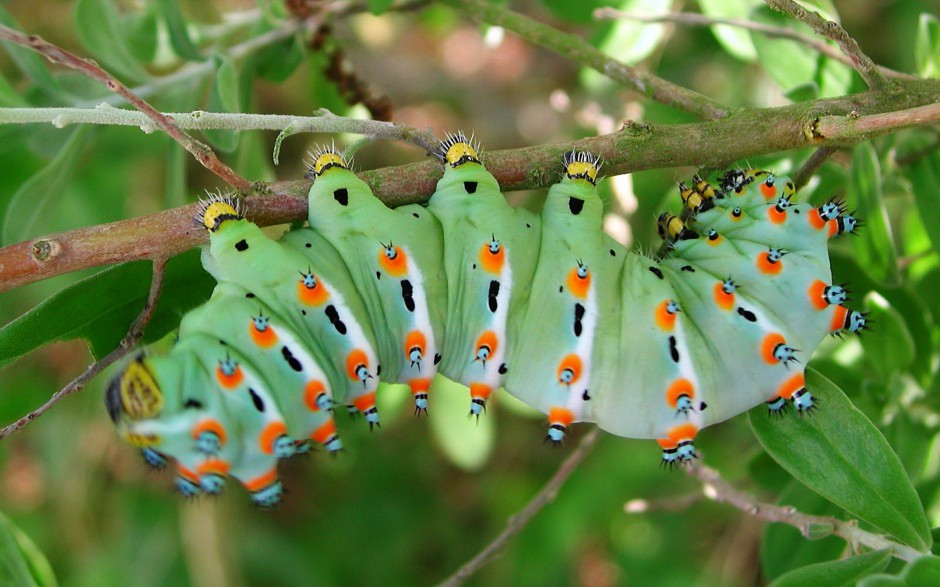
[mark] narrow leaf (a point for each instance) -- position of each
(21, 563)
(224, 98)
(924, 572)
(874, 246)
(466, 442)
(842, 456)
(176, 27)
(36, 196)
(927, 46)
(926, 187)
(102, 307)
(735, 40)
(838, 573)
(101, 31)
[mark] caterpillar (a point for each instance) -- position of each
(547, 306)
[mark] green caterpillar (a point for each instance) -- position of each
(546, 306)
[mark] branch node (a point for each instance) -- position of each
(46, 249)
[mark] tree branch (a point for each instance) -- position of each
(200, 151)
(720, 490)
(833, 30)
(747, 133)
(520, 520)
(695, 19)
(130, 340)
(580, 51)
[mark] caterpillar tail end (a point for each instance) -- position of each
(559, 420)
(678, 446)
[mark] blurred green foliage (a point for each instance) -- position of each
(409, 504)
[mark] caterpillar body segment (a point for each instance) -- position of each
(395, 261)
(575, 282)
(490, 253)
(547, 306)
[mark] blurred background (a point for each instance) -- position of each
(408, 504)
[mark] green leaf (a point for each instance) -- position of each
(735, 40)
(102, 307)
(21, 563)
(842, 456)
(925, 183)
(378, 6)
(35, 198)
(277, 62)
(101, 31)
(836, 573)
(467, 442)
(176, 27)
(142, 40)
(29, 62)
(927, 46)
(881, 580)
(924, 572)
(874, 248)
(790, 64)
(890, 346)
(224, 98)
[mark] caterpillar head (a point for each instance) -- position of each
(216, 209)
(457, 150)
(323, 159)
(581, 165)
(134, 395)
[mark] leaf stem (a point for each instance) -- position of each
(833, 30)
(719, 490)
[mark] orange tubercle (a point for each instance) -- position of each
(570, 367)
(769, 191)
(766, 266)
(492, 262)
(838, 319)
(562, 416)
(214, 466)
(421, 385)
(682, 432)
(312, 391)
(324, 432)
(816, 294)
(791, 385)
(664, 319)
(679, 387)
(577, 285)
(776, 216)
(398, 266)
(365, 402)
(271, 433)
(259, 483)
(815, 220)
(833, 227)
(415, 339)
(714, 242)
(187, 473)
(768, 345)
(667, 443)
(480, 391)
(263, 338)
(724, 300)
(210, 425)
(229, 381)
(312, 296)
(487, 339)
(355, 359)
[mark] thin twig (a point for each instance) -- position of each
(200, 151)
(324, 121)
(869, 126)
(519, 521)
(809, 167)
(833, 30)
(695, 19)
(575, 48)
(720, 490)
(635, 147)
(130, 340)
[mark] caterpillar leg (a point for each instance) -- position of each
(266, 490)
(793, 389)
(187, 482)
(419, 390)
(153, 458)
(326, 436)
(479, 393)
(212, 476)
